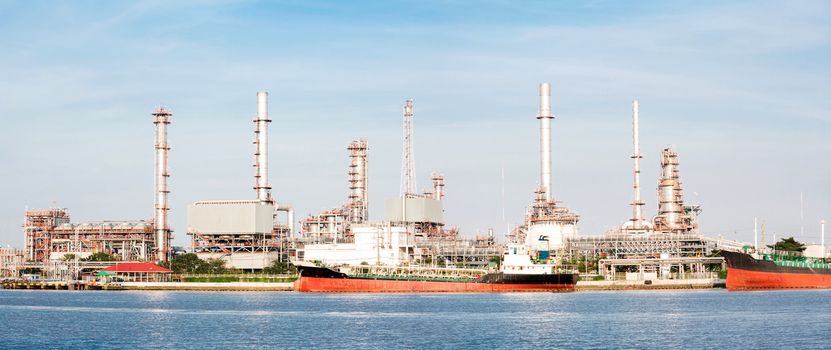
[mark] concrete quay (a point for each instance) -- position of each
(701, 283)
(211, 286)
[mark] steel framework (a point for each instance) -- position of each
(50, 231)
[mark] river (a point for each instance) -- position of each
(602, 320)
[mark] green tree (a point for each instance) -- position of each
(789, 245)
(100, 256)
(68, 257)
(215, 266)
(30, 271)
(496, 261)
(187, 263)
(277, 267)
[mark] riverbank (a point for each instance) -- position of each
(211, 286)
(582, 286)
(58, 285)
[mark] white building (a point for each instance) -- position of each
(815, 251)
(374, 244)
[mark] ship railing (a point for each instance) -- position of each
(814, 264)
(566, 268)
(783, 255)
(787, 253)
(421, 271)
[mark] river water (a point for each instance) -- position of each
(199, 320)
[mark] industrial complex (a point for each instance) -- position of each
(249, 234)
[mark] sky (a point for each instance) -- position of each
(741, 89)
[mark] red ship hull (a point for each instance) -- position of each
(746, 273)
(334, 285)
(738, 279)
(324, 280)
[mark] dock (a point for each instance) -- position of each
(212, 286)
(184, 286)
(699, 283)
(59, 285)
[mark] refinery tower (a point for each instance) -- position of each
(547, 224)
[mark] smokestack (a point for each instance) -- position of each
(637, 204)
(261, 153)
(545, 117)
(438, 186)
(162, 118)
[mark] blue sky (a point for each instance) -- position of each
(741, 89)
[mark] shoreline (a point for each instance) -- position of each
(582, 286)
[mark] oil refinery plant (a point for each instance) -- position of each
(249, 234)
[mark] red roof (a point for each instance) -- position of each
(137, 267)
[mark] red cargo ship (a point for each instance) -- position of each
(322, 279)
(775, 271)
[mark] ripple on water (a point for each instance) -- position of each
(656, 320)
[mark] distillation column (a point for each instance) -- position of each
(358, 176)
(162, 118)
(670, 204)
(261, 152)
(545, 117)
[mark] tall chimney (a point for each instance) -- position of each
(261, 153)
(162, 118)
(637, 204)
(545, 117)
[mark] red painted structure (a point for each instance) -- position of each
(738, 279)
(139, 272)
(137, 267)
(322, 279)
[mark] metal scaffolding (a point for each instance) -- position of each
(629, 246)
(50, 231)
(667, 268)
